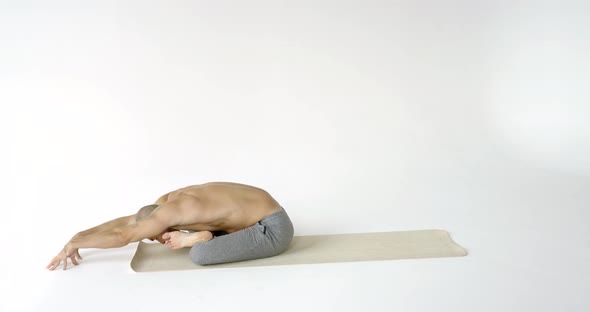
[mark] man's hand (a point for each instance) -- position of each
(64, 254)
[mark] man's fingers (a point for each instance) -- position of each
(53, 264)
(56, 261)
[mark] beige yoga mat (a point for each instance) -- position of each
(316, 249)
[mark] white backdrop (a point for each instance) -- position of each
(357, 116)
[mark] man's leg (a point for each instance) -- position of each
(269, 237)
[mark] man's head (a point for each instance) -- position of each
(145, 212)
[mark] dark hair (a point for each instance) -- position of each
(145, 211)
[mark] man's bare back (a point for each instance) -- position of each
(216, 206)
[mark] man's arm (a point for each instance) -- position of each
(123, 235)
(118, 236)
(122, 221)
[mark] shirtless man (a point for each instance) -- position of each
(228, 222)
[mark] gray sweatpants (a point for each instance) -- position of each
(268, 237)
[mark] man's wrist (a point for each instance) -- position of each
(70, 245)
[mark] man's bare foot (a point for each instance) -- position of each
(177, 239)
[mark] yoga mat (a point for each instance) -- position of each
(316, 249)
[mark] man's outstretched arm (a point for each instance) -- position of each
(109, 225)
(114, 236)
